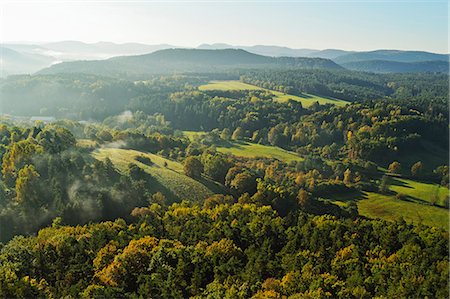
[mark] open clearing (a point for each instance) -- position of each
(418, 191)
(306, 99)
(253, 150)
(250, 150)
(414, 208)
(390, 208)
(171, 180)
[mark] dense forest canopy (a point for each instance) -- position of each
(126, 187)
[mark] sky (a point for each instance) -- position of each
(348, 25)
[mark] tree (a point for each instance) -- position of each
(193, 167)
(27, 186)
(136, 173)
(384, 184)
(238, 134)
(244, 182)
(225, 135)
(216, 166)
(347, 177)
(395, 167)
(303, 198)
(417, 169)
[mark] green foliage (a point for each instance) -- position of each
(167, 175)
(193, 167)
(384, 184)
(306, 99)
(229, 251)
(298, 184)
(417, 169)
(395, 167)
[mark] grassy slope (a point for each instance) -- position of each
(253, 150)
(250, 150)
(306, 99)
(388, 207)
(414, 208)
(418, 191)
(173, 183)
(86, 143)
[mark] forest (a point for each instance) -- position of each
(159, 187)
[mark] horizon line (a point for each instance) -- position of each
(232, 46)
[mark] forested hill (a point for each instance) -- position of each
(391, 55)
(187, 60)
(386, 66)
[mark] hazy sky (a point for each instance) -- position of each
(357, 25)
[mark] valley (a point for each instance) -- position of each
(239, 172)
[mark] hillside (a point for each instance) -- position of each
(306, 99)
(249, 150)
(171, 181)
(187, 60)
(104, 47)
(391, 55)
(14, 62)
(386, 66)
(414, 204)
(276, 51)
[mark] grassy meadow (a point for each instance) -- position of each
(250, 150)
(420, 192)
(306, 99)
(253, 150)
(171, 180)
(414, 207)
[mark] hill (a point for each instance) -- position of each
(386, 66)
(329, 53)
(187, 60)
(14, 62)
(75, 50)
(415, 204)
(171, 180)
(275, 51)
(391, 55)
(249, 150)
(306, 99)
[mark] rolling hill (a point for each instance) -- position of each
(386, 66)
(164, 58)
(306, 99)
(275, 51)
(391, 55)
(250, 150)
(14, 62)
(187, 60)
(415, 206)
(76, 50)
(169, 175)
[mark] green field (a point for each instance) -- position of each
(250, 150)
(229, 85)
(172, 182)
(414, 208)
(253, 150)
(306, 99)
(86, 143)
(417, 191)
(389, 208)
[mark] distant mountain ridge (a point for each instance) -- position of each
(13, 62)
(106, 48)
(187, 60)
(392, 55)
(386, 66)
(275, 51)
(35, 57)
